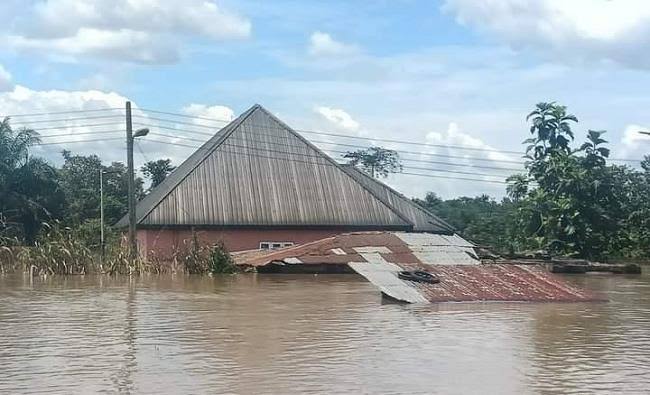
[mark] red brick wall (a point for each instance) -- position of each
(163, 242)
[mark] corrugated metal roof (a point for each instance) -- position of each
(379, 256)
(259, 172)
(422, 219)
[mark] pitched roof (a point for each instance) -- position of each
(257, 171)
(422, 219)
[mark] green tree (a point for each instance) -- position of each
(375, 161)
(29, 193)
(157, 171)
(79, 178)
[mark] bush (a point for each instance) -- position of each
(220, 260)
(198, 259)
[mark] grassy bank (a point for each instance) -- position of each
(63, 251)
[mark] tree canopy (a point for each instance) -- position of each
(157, 171)
(376, 161)
(569, 201)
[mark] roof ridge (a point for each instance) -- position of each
(401, 195)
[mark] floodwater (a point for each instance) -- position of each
(277, 334)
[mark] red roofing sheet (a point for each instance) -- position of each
(458, 282)
(498, 282)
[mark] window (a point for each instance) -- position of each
(272, 245)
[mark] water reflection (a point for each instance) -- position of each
(311, 334)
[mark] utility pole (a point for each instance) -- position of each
(133, 246)
(131, 183)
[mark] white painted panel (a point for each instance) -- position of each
(338, 251)
(383, 275)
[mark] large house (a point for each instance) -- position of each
(257, 183)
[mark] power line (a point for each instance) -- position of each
(327, 134)
(370, 138)
(79, 141)
(356, 146)
(78, 126)
(27, 123)
(344, 152)
(36, 114)
(324, 161)
(184, 115)
(80, 134)
(176, 122)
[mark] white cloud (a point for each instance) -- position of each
(322, 44)
(69, 127)
(632, 137)
(617, 31)
(125, 45)
(79, 131)
(219, 113)
(133, 31)
(338, 117)
(5, 79)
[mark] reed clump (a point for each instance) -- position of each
(203, 259)
(63, 251)
(57, 251)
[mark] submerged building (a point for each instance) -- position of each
(258, 184)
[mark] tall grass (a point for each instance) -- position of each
(62, 251)
(58, 251)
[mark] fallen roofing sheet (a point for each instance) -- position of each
(379, 256)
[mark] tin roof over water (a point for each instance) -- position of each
(379, 256)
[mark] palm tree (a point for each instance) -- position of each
(29, 192)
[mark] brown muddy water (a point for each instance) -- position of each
(278, 334)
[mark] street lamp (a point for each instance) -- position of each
(130, 136)
(141, 132)
(642, 132)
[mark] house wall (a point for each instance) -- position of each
(162, 243)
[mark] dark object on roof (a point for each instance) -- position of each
(258, 172)
(418, 276)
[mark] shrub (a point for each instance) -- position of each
(220, 260)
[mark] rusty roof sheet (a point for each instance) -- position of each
(379, 256)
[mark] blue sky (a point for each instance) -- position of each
(454, 72)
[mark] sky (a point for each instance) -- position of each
(440, 74)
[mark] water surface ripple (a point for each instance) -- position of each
(276, 334)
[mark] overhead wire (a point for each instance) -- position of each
(78, 141)
(30, 122)
(316, 157)
(79, 133)
(350, 145)
(366, 138)
(344, 152)
(38, 114)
